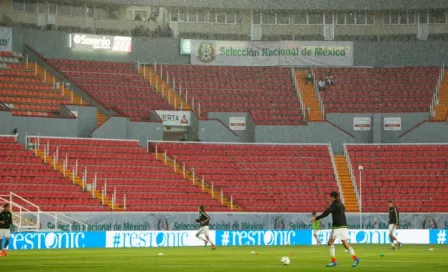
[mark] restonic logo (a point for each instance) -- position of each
(47, 240)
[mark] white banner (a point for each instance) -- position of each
(237, 123)
(6, 39)
(120, 239)
(362, 123)
(392, 123)
(175, 118)
(281, 53)
(407, 236)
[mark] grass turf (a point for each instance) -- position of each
(229, 259)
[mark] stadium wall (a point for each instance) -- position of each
(377, 134)
(312, 133)
(123, 128)
(53, 44)
(247, 135)
(216, 131)
(59, 127)
(428, 132)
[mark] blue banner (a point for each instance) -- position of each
(56, 240)
(263, 237)
(438, 236)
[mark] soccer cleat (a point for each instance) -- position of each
(399, 245)
(355, 264)
(332, 264)
(213, 247)
(3, 253)
(392, 248)
(206, 242)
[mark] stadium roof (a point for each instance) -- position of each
(290, 4)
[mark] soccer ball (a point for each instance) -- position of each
(285, 260)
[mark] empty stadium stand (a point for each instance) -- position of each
(261, 178)
(114, 85)
(404, 89)
(267, 93)
(415, 177)
(22, 92)
(149, 185)
(26, 175)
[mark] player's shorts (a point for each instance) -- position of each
(315, 232)
(340, 234)
(204, 230)
(392, 228)
(4, 233)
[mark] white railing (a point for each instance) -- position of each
(20, 212)
(30, 218)
(65, 164)
(352, 174)
(435, 97)
(336, 173)
(319, 97)
(299, 94)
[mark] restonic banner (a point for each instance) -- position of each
(6, 39)
(90, 42)
(281, 53)
(236, 221)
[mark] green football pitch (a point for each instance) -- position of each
(229, 259)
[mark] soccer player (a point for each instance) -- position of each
(5, 225)
(339, 229)
(394, 220)
(204, 220)
(316, 228)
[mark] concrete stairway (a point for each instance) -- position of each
(198, 183)
(75, 179)
(309, 97)
(441, 109)
(162, 87)
(350, 200)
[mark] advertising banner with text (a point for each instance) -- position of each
(175, 118)
(6, 39)
(90, 42)
(280, 53)
(134, 221)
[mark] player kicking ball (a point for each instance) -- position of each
(339, 229)
(204, 220)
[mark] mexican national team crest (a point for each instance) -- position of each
(206, 52)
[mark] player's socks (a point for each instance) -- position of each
(392, 244)
(352, 252)
(332, 254)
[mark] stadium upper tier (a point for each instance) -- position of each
(267, 93)
(23, 92)
(114, 85)
(398, 89)
(415, 177)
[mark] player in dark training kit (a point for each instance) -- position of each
(339, 229)
(394, 221)
(204, 220)
(5, 225)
